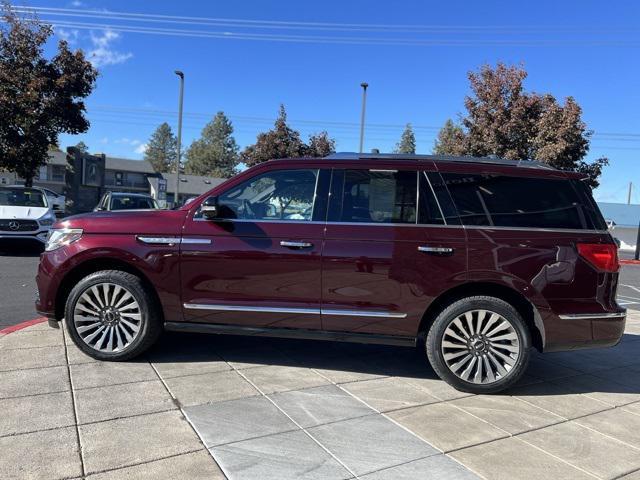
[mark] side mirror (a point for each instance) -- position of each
(209, 208)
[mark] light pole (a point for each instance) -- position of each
(177, 194)
(364, 86)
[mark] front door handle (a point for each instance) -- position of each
(436, 250)
(290, 244)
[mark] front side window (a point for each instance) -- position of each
(374, 196)
(286, 195)
(510, 201)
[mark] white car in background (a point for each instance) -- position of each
(56, 200)
(25, 214)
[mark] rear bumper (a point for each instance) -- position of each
(586, 330)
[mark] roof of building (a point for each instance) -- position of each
(620, 213)
(192, 184)
(111, 163)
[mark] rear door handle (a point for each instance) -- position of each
(290, 244)
(436, 250)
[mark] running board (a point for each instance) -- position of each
(401, 341)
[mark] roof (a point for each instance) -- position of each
(439, 158)
(622, 214)
(127, 165)
(192, 184)
(130, 194)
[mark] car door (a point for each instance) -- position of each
(381, 267)
(259, 265)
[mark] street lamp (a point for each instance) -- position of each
(364, 86)
(177, 194)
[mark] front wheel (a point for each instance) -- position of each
(111, 315)
(479, 345)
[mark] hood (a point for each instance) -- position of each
(25, 213)
(135, 222)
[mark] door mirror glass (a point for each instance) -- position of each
(210, 208)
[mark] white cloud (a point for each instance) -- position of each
(140, 149)
(71, 36)
(77, 4)
(102, 53)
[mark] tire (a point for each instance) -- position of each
(128, 319)
(487, 355)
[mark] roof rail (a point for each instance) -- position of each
(439, 158)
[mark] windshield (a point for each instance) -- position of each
(22, 197)
(124, 202)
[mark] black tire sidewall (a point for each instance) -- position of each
(436, 333)
(136, 288)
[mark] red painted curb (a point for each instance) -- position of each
(20, 326)
(630, 262)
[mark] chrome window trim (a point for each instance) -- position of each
(592, 316)
(309, 311)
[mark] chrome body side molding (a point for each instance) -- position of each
(151, 240)
(593, 316)
(306, 311)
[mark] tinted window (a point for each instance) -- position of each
(277, 195)
(123, 202)
(505, 201)
(429, 211)
(374, 196)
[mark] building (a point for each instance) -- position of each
(623, 220)
(83, 178)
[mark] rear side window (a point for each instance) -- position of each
(506, 201)
(373, 196)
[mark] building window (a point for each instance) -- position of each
(119, 177)
(57, 173)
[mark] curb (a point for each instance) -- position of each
(20, 326)
(629, 262)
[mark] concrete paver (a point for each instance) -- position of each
(269, 408)
(284, 456)
(129, 441)
(191, 466)
(114, 401)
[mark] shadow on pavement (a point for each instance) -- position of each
(614, 370)
(20, 248)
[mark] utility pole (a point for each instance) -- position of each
(364, 86)
(629, 194)
(177, 194)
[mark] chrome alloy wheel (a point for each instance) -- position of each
(107, 317)
(480, 346)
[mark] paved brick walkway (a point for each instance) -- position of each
(208, 407)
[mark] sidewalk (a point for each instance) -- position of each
(214, 407)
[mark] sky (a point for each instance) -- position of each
(247, 57)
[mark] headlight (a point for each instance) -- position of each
(47, 219)
(60, 237)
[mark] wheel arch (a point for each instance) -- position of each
(93, 265)
(523, 305)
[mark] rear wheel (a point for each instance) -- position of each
(111, 315)
(479, 345)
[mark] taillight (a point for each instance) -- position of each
(603, 256)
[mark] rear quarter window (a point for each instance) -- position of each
(510, 201)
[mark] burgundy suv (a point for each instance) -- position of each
(475, 260)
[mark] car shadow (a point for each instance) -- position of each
(614, 370)
(20, 248)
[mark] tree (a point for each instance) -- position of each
(320, 145)
(407, 143)
(451, 140)
(162, 149)
(280, 142)
(82, 147)
(285, 142)
(215, 153)
(504, 120)
(39, 97)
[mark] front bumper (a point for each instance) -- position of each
(38, 236)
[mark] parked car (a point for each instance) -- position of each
(25, 214)
(126, 201)
(473, 260)
(56, 200)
